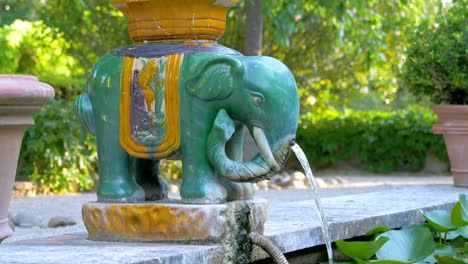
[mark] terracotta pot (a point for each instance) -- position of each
(453, 124)
(20, 97)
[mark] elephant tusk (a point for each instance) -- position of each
(264, 148)
(240, 171)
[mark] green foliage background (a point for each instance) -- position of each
(57, 153)
(382, 141)
(437, 64)
(345, 54)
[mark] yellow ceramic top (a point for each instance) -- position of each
(154, 20)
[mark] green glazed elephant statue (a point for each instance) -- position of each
(189, 101)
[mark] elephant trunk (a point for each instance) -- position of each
(254, 170)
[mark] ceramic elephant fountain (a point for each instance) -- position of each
(177, 94)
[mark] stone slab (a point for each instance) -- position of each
(291, 225)
(170, 221)
(295, 226)
(75, 248)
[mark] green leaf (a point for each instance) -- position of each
(458, 216)
(359, 261)
(458, 242)
(452, 234)
(444, 250)
(377, 230)
(463, 230)
(388, 262)
(407, 245)
(439, 220)
(363, 250)
(448, 260)
(426, 225)
(338, 262)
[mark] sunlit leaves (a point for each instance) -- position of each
(363, 250)
(439, 220)
(407, 245)
(34, 48)
(414, 243)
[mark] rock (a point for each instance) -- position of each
(274, 186)
(298, 176)
(342, 180)
(333, 181)
(298, 185)
(275, 179)
(23, 219)
(284, 180)
(321, 183)
(58, 221)
(24, 188)
(11, 223)
(262, 185)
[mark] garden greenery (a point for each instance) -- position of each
(437, 59)
(60, 155)
(57, 152)
(380, 141)
(338, 50)
(442, 239)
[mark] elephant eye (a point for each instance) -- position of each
(257, 99)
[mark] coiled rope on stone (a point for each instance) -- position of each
(269, 247)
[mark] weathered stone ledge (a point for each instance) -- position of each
(295, 226)
(292, 226)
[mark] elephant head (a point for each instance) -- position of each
(259, 92)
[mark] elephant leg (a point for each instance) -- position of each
(147, 176)
(115, 181)
(234, 150)
(200, 185)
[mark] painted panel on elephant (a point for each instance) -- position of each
(150, 106)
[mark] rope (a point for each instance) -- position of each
(269, 247)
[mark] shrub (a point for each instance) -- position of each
(60, 155)
(437, 58)
(57, 152)
(382, 141)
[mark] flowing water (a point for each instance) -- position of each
(305, 164)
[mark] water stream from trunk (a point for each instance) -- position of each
(305, 164)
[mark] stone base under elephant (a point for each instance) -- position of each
(227, 223)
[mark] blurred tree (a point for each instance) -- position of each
(344, 53)
(254, 26)
(339, 50)
(92, 27)
(31, 48)
(11, 10)
(88, 28)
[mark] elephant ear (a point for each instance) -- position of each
(209, 76)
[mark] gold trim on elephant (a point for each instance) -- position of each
(149, 107)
